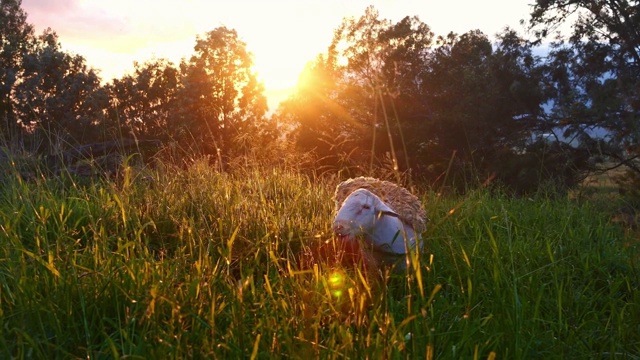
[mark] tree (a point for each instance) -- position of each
(58, 92)
(43, 87)
(317, 123)
(461, 92)
(384, 88)
(16, 36)
(482, 99)
(596, 75)
(145, 102)
(345, 108)
(221, 98)
(384, 65)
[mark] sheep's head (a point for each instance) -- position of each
(408, 206)
(359, 213)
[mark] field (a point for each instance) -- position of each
(193, 263)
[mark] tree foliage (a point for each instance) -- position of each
(58, 92)
(206, 104)
(44, 87)
(220, 96)
(319, 123)
(594, 71)
(346, 98)
(146, 101)
(15, 39)
(212, 103)
(452, 110)
(390, 93)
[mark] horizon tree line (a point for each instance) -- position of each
(452, 110)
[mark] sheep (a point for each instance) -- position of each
(386, 216)
(363, 213)
(408, 206)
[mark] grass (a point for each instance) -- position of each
(171, 263)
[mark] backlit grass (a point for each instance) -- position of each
(192, 263)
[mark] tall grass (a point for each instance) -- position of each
(170, 263)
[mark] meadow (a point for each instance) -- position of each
(196, 263)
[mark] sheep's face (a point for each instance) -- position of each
(358, 215)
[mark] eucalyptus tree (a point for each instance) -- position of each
(389, 88)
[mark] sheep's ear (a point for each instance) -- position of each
(384, 209)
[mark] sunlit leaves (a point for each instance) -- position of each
(371, 66)
(221, 95)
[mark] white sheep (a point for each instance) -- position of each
(387, 234)
(407, 206)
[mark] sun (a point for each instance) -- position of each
(279, 64)
(279, 80)
(282, 36)
(284, 42)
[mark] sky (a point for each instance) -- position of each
(283, 35)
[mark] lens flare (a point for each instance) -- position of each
(336, 279)
(337, 283)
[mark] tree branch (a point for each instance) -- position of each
(629, 162)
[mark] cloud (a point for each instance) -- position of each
(75, 19)
(89, 28)
(48, 6)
